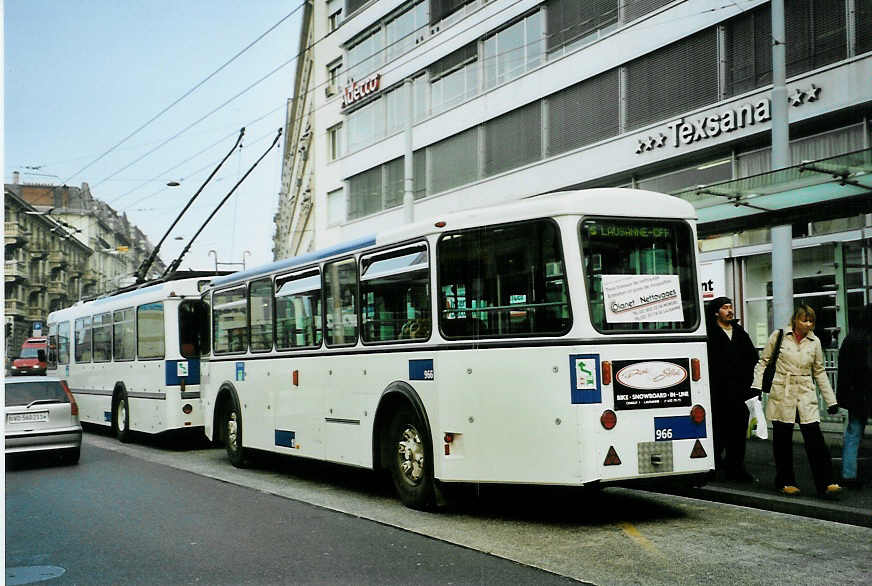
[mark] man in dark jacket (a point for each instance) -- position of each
(731, 358)
(854, 391)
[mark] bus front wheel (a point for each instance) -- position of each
(410, 463)
(121, 419)
(233, 436)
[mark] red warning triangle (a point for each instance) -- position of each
(698, 451)
(612, 458)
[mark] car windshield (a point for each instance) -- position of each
(29, 352)
(24, 393)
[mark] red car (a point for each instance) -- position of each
(33, 357)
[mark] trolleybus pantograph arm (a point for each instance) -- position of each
(175, 264)
(142, 271)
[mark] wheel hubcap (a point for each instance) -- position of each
(122, 416)
(232, 431)
(410, 453)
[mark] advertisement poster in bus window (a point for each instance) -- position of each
(651, 384)
(642, 298)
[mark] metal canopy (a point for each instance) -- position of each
(762, 198)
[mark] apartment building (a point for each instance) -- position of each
(452, 104)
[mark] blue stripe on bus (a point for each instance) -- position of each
(171, 374)
(286, 438)
(287, 263)
(677, 427)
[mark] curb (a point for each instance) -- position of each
(807, 507)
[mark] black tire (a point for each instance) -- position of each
(71, 456)
(232, 422)
(410, 460)
(121, 419)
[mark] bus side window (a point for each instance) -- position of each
(395, 295)
(503, 280)
(340, 293)
(229, 320)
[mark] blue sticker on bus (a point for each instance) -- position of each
(421, 370)
(584, 379)
(240, 371)
(107, 416)
(175, 370)
(286, 438)
(677, 428)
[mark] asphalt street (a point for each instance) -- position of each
(117, 519)
(621, 536)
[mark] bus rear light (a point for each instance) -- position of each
(612, 458)
(607, 372)
(608, 419)
(697, 414)
(187, 408)
(440, 224)
(694, 369)
(449, 437)
(74, 407)
(698, 451)
(296, 377)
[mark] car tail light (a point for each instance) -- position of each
(74, 407)
(694, 369)
(697, 414)
(607, 372)
(608, 419)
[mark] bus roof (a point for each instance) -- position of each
(608, 201)
(147, 294)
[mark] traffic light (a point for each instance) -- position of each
(8, 329)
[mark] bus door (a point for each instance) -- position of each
(297, 398)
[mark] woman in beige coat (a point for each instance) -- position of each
(793, 399)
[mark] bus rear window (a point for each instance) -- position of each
(640, 275)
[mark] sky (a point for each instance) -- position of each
(80, 76)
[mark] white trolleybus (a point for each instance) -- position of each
(557, 340)
(132, 360)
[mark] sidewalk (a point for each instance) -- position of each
(853, 506)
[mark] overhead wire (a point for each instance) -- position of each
(400, 62)
(190, 91)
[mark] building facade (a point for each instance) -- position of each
(61, 245)
(453, 104)
(45, 269)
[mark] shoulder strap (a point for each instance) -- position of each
(777, 348)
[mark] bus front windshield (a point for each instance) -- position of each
(640, 275)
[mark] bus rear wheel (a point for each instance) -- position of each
(233, 436)
(411, 460)
(121, 419)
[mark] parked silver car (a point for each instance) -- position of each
(42, 416)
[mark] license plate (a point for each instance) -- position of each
(35, 417)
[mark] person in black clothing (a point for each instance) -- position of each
(731, 359)
(854, 391)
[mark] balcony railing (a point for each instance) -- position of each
(16, 271)
(35, 313)
(14, 234)
(15, 307)
(57, 288)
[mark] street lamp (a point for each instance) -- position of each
(215, 254)
(248, 252)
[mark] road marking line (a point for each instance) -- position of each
(640, 539)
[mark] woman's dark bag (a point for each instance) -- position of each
(769, 371)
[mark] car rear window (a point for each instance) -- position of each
(24, 393)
